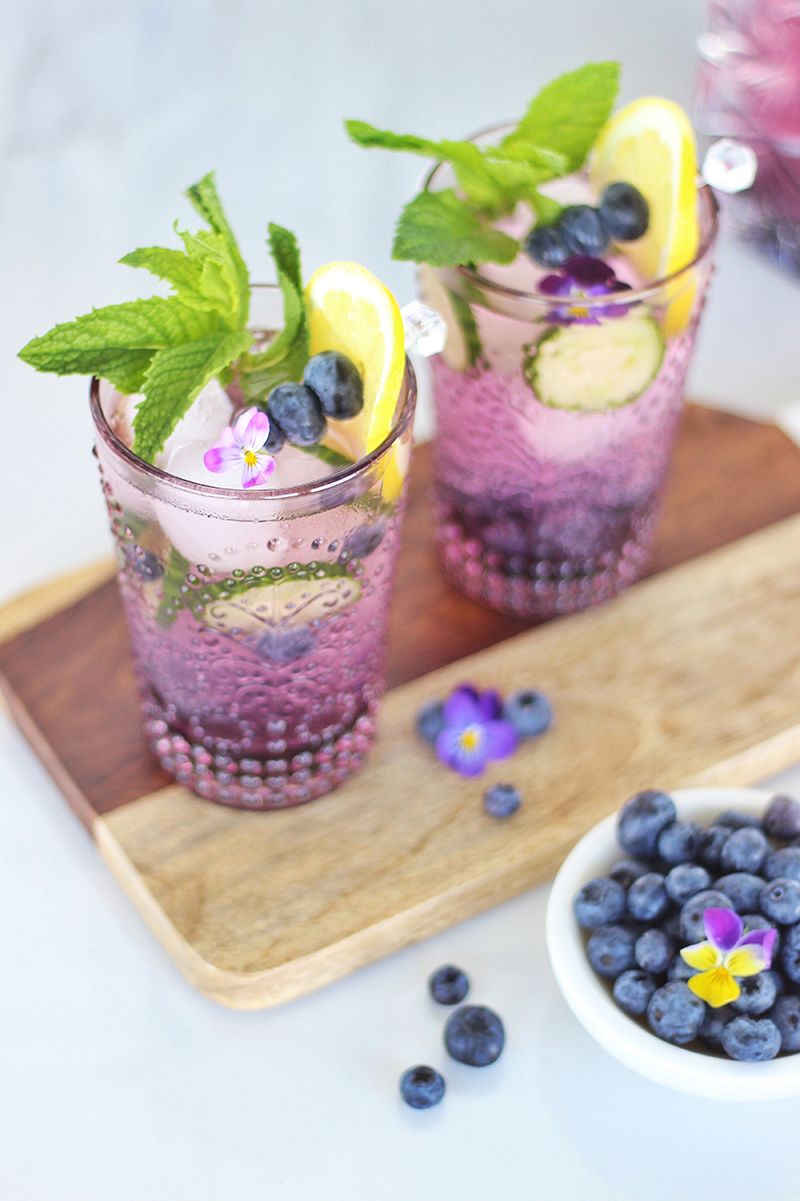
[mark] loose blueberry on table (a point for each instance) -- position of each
(449, 985)
(474, 1035)
(421, 1087)
(698, 932)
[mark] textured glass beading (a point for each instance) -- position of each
(257, 620)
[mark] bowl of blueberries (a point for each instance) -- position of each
(673, 929)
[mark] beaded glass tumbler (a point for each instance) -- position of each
(541, 510)
(257, 619)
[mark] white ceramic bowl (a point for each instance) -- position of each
(590, 998)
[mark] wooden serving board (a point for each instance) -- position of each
(691, 677)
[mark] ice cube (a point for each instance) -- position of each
(426, 332)
(730, 166)
(204, 422)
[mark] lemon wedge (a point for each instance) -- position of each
(650, 144)
(351, 311)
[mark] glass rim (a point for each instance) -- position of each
(541, 299)
(327, 483)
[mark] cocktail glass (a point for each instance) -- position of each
(257, 618)
(542, 510)
(749, 89)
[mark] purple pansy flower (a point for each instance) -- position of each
(240, 445)
(728, 952)
(474, 731)
(582, 277)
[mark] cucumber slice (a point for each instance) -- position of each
(596, 366)
(463, 346)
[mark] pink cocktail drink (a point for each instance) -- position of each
(749, 89)
(553, 442)
(257, 619)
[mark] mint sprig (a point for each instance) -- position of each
(552, 139)
(169, 348)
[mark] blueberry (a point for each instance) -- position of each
(672, 928)
(642, 819)
(633, 990)
(786, 1016)
(782, 863)
(421, 1087)
(364, 541)
(679, 842)
(286, 645)
(757, 995)
(712, 1025)
(675, 1013)
(474, 1035)
(780, 901)
(449, 985)
(546, 246)
(297, 411)
(503, 800)
(610, 951)
(647, 898)
(144, 563)
(743, 889)
(782, 818)
(751, 1040)
(337, 382)
(733, 820)
(582, 230)
(745, 851)
(275, 438)
(692, 927)
(624, 212)
(685, 880)
(713, 842)
(679, 969)
(529, 712)
(626, 871)
(599, 902)
(790, 954)
(430, 720)
(654, 951)
(777, 979)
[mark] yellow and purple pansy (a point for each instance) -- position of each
(728, 952)
(474, 731)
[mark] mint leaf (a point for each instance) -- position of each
(174, 380)
(568, 113)
(175, 268)
(547, 210)
(286, 356)
(367, 135)
(203, 196)
(492, 186)
(90, 343)
(440, 229)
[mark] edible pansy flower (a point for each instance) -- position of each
(580, 278)
(241, 445)
(728, 952)
(474, 731)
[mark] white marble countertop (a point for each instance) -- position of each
(118, 1081)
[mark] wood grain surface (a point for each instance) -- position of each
(689, 677)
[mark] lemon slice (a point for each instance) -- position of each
(351, 311)
(650, 144)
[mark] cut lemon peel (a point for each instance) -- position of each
(650, 144)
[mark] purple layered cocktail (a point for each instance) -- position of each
(253, 464)
(569, 256)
